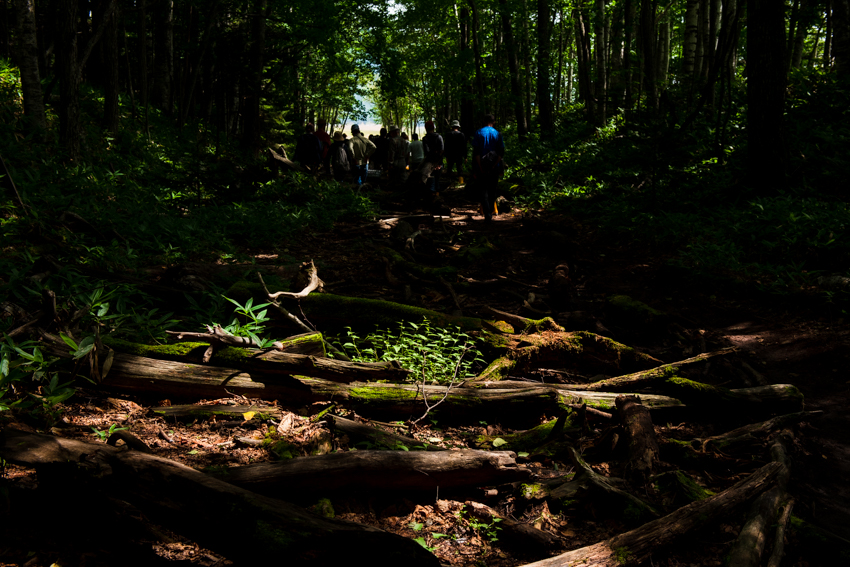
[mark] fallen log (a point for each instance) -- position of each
(522, 324)
(748, 548)
(195, 505)
(194, 411)
(578, 351)
(181, 380)
(748, 434)
(262, 362)
(379, 470)
(512, 531)
(647, 378)
(636, 546)
(377, 436)
(775, 398)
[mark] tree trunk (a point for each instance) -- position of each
(516, 88)
(663, 51)
(544, 65)
(70, 131)
(601, 64)
(112, 78)
(379, 470)
(163, 72)
(476, 46)
(585, 85)
(192, 503)
(841, 36)
(639, 435)
(252, 125)
(27, 58)
(648, 51)
(766, 95)
(689, 48)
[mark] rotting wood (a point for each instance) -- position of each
(639, 436)
(260, 363)
(636, 546)
(194, 411)
(749, 546)
(192, 503)
(379, 470)
(644, 378)
(748, 434)
(376, 436)
(512, 531)
(634, 509)
(522, 324)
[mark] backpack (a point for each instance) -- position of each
(339, 158)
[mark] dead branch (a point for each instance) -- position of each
(313, 284)
(520, 534)
(375, 435)
(637, 545)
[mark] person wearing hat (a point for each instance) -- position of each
(432, 143)
(455, 149)
(360, 148)
(397, 155)
(338, 156)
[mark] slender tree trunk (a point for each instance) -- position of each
(689, 47)
(111, 76)
(601, 66)
(827, 43)
(648, 50)
(254, 84)
(560, 81)
(476, 46)
(841, 36)
(526, 55)
(516, 89)
(585, 85)
(615, 79)
(544, 65)
(27, 56)
(630, 14)
(766, 94)
(70, 132)
(163, 72)
(467, 105)
(142, 52)
(663, 51)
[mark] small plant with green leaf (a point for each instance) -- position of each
(255, 322)
(106, 434)
(434, 355)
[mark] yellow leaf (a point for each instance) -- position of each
(248, 415)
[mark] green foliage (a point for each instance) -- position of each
(488, 531)
(255, 322)
(28, 383)
(105, 435)
(433, 354)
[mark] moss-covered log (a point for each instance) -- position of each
(752, 433)
(637, 545)
(270, 361)
(194, 504)
(579, 352)
(379, 470)
(648, 378)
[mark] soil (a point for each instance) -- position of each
(781, 342)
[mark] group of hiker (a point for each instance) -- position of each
(393, 153)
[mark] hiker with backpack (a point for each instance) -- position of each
(488, 152)
(339, 157)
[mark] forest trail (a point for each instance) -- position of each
(531, 264)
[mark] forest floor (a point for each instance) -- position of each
(782, 342)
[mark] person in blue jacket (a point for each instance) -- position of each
(488, 153)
